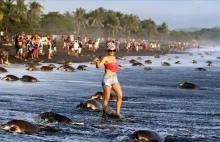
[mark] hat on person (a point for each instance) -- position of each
(111, 45)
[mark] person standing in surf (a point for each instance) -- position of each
(110, 79)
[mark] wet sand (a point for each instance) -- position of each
(85, 56)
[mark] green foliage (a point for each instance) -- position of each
(131, 24)
(18, 28)
(34, 13)
(21, 9)
(150, 28)
(1, 27)
(54, 23)
(16, 17)
(8, 10)
(80, 18)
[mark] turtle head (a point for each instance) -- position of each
(5, 127)
(4, 78)
(180, 84)
(34, 80)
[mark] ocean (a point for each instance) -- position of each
(154, 101)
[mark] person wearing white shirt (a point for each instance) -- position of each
(2, 35)
(76, 47)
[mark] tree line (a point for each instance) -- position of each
(16, 17)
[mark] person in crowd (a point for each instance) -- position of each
(64, 44)
(71, 48)
(36, 47)
(76, 48)
(175, 46)
(136, 47)
(1, 36)
(30, 48)
(20, 50)
(117, 45)
(80, 46)
(41, 46)
(170, 47)
(128, 46)
(49, 44)
(4, 57)
(110, 79)
(16, 45)
(54, 45)
(90, 44)
(162, 48)
(24, 47)
(125, 44)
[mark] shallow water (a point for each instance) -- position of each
(154, 100)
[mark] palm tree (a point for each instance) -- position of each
(97, 18)
(21, 9)
(79, 18)
(34, 12)
(163, 29)
(68, 15)
(120, 18)
(8, 13)
(1, 13)
(131, 24)
(112, 22)
(150, 27)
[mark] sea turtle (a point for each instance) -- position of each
(187, 85)
(27, 78)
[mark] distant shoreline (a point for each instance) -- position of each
(85, 56)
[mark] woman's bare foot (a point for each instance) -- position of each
(119, 115)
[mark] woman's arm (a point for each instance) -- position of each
(120, 67)
(100, 64)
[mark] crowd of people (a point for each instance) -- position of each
(31, 46)
(137, 45)
(73, 48)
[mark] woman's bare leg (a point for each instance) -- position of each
(107, 92)
(117, 89)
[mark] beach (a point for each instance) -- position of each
(154, 100)
(85, 55)
(109, 71)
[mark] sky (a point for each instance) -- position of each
(178, 14)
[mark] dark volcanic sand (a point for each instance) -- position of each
(85, 55)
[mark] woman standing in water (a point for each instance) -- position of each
(110, 80)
